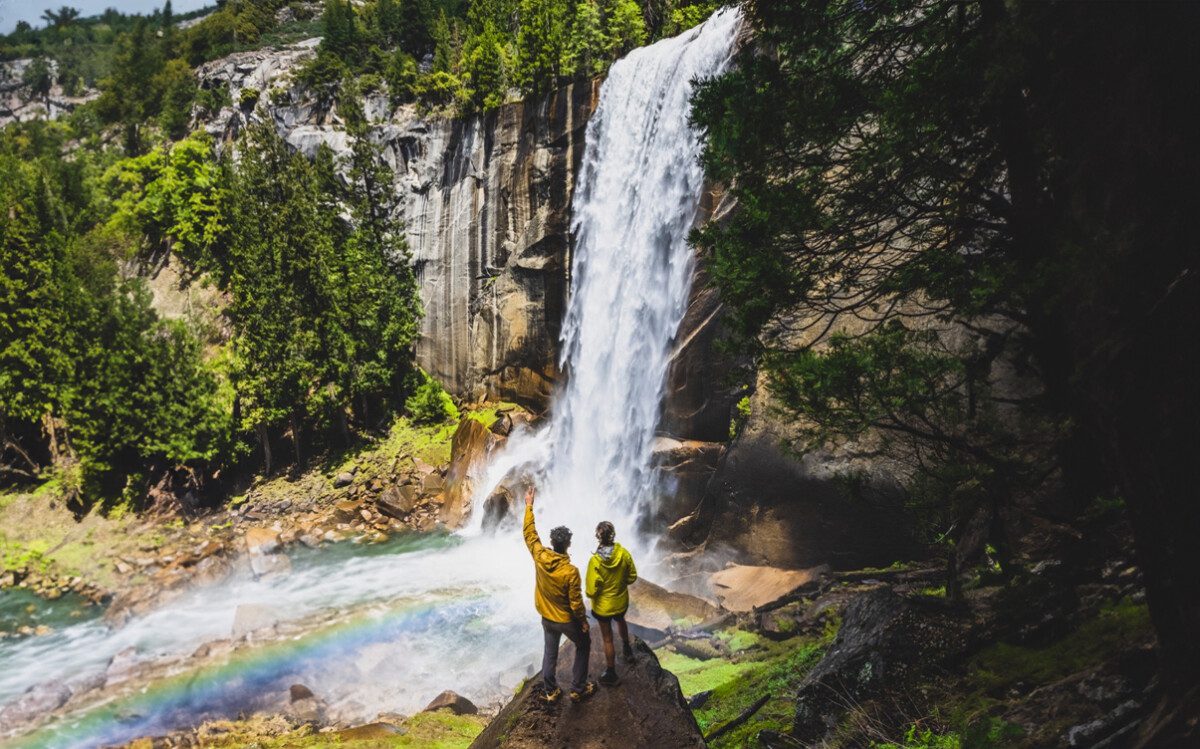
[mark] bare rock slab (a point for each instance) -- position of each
(742, 587)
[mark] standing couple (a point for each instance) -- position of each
(556, 597)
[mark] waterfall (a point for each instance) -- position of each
(636, 198)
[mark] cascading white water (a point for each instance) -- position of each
(388, 631)
(635, 201)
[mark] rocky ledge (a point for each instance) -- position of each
(646, 709)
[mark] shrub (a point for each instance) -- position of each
(430, 403)
(248, 98)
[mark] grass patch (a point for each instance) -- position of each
(739, 640)
(757, 667)
(1002, 665)
(1003, 669)
(439, 730)
(697, 676)
(777, 676)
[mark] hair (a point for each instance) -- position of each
(605, 533)
(560, 538)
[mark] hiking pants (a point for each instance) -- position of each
(553, 631)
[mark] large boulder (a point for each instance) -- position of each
(469, 449)
(885, 642)
(452, 701)
(646, 709)
(654, 611)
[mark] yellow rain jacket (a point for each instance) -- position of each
(610, 572)
(556, 594)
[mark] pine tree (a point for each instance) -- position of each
(541, 44)
(587, 48)
(485, 67)
(624, 26)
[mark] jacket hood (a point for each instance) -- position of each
(554, 560)
(610, 556)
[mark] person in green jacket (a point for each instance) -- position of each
(609, 574)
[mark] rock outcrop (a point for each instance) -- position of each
(487, 206)
(20, 104)
(646, 709)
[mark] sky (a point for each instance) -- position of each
(12, 11)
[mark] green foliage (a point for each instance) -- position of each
(430, 403)
(878, 194)
(541, 44)
(587, 47)
(38, 77)
(88, 366)
(919, 737)
(685, 17)
(1001, 666)
(178, 87)
(325, 314)
(624, 27)
(248, 97)
(486, 68)
(741, 414)
(171, 198)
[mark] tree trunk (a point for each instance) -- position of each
(264, 439)
(296, 439)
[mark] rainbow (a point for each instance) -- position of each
(244, 680)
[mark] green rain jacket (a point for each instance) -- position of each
(609, 574)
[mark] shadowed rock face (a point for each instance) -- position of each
(646, 709)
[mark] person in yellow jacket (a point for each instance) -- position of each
(609, 575)
(556, 597)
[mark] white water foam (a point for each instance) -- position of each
(637, 197)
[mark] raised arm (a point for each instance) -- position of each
(531, 535)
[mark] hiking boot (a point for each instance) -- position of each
(609, 677)
(552, 697)
(628, 654)
(588, 690)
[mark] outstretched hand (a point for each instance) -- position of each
(529, 494)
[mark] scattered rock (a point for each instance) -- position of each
(370, 732)
(346, 510)
(261, 540)
(252, 617)
(343, 479)
(122, 667)
(503, 425)
(397, 501)
(299, 692)
(270, 564)
(452, 701)
(36, 702)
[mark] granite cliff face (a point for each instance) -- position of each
(487, 205)
(486, 202)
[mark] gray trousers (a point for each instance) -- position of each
(553, 632)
